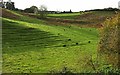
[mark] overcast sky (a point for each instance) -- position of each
(61, 5)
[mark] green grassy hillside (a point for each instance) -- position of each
(37, 46)
(65, 15)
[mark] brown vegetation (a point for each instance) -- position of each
(29, 15)
(8, 14)
(110, 41)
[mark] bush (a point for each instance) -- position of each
(69, 39)
(110, 41)
(64, 45)
(76, 43)
(89, 41)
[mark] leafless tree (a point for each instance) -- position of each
(43, 11)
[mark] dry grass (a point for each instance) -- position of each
(109, 43)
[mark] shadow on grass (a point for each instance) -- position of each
(18, 37)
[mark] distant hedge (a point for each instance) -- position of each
(105, 9)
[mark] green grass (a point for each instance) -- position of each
(32, 45)
(77, 14)
(65, 15)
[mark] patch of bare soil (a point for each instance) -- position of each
(92, 17)
(8, 14)
(87, 15)
(68, 21)
(80, 23)
(29, 15)
(53, 22)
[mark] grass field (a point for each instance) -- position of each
(65, 15)
(32, 45)
(88, 19)
(77, 15)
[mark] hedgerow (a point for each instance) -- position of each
(109, 45)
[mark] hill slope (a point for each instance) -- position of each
(32, 45)
(85, 19)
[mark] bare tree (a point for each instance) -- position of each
(43, 11)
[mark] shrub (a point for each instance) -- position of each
(58, 33)
(76, 43)
(110, 41)
(89, 41)
(69, 39)
(64, 45)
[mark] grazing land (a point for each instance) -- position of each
(31, 45)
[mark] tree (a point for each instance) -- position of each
(10, 5)
(2, 4)
(43, 11)
(70, 11)
(32, 9)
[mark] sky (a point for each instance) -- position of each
(66, 5)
